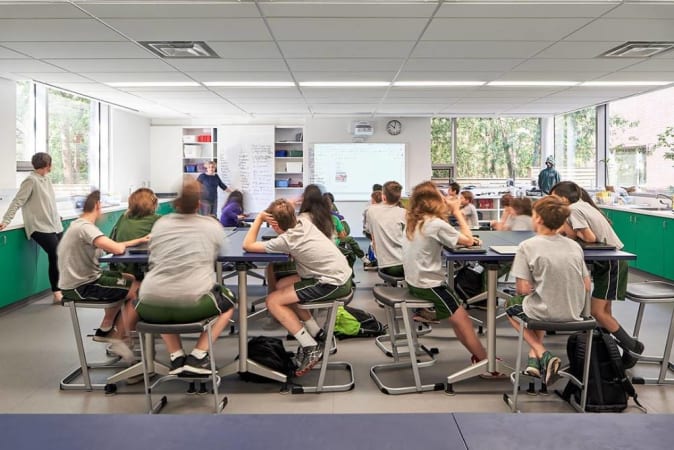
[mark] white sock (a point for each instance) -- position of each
(304, 338)
(199, 354)
(177, 354)
(312, 326)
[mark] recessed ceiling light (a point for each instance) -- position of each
(154, 84)
(437, 83)
(532, 83)
(625, 83)
(344, 83)
(250, 83)
(638, 49)
(179, 49)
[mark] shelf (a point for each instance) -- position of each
(486, 209)
(289, 173)
(198, 143)
(289, 142)
(199, 157)
(288, 188)
(288, 158)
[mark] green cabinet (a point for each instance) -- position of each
(16, 254)
(668, 248)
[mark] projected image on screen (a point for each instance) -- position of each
(349, 170)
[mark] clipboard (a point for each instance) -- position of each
(504, 249)
(460, 249)
(595, 245)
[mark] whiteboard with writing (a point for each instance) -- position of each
(349, 170)
(246, 163)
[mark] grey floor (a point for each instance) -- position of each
(38, 349)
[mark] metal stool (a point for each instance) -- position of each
(394, 300)
(329, 327)
(151, 329)
(586, 325)
(653, 292)
(85, 367)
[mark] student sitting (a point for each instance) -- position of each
(453, 190)
(386, 223)
(82, 278)
(232, 213)
(551, 280)
(468, 209)
(521, 215)
(588, 223)
(136, 222)
(505, 222)
(322, 274)
(181, 286)
(370, 259)
(426, 232)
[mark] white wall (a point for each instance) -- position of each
(129, 152)
(416, 133)
(7, 134)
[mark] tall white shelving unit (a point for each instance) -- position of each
(200, 145)
(288, 161)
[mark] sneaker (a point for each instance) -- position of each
(177, 365)
(194, 366)
(533, 367)
(550, 366)
(310, 356)
(488, 375)
(104, 336)
(121, 349)
(425, 315)
(630, 361)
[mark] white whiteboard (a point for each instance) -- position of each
(246, 163)
(349, 170)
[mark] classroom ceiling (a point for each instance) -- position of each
(89, 46)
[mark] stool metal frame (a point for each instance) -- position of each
(400, 300)
(85, 366)
(329, 327)
(653, 292)
(150, 329)
(587, 326)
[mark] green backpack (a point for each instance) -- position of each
(353, 322)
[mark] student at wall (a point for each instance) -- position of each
(82, 278)
(589, 224)
(386, 224)
(322, 274)
(551, 280)
(41, 220)
(426, 232)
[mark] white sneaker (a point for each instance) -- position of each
(119, 348)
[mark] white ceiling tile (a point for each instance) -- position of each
(478, 49)
(461, 65)
(40, 11)
(626, 30)
(488, 29)
(85, 50)
(552, 75)
(577, 49)
(427, 93)
(652, 65)
(111, 65)
(278, 109)
(572, 65)
(241, 76)
(6, 53)
(255, 50)
(86, 87)
(192, 29)
(135, 76)
(344, 100)
(412, 75)
(353, 10)
(200, 108)
(524, 9)
(171, 11)
(229, 65)
(245, 102)
(359, 108)
(26, 65)
(310, 92)
(180, 96)
(344, 76)
(401, 109)
(638, 76)
(648, 11)
(281, 93)
(346, 49)
(493, 100)
(167, 90)
(52, 78)
(55, 30)
(338, 29)
(513, 92)
(344, 64)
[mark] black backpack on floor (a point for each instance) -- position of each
(269, 352)
(608, 387)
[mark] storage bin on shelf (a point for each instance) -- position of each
(282, 183)
(294, 167)
(281, 153)
(295, 153)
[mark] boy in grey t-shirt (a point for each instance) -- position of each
(386, 224)
(552, 280)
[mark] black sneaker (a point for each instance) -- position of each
(630, 361)
(196, 367)
(177, 365)
(310, 356)
(103, 336)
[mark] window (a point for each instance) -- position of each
(641, 141)
(25, 120)
(441, 147)
(576, 148)
(72, 140)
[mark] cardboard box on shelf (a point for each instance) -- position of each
(294, 167)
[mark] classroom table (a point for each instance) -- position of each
(492, 260)
(234, 253)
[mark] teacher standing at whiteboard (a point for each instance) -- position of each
(210, 182)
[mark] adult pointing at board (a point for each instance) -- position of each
(210, 182)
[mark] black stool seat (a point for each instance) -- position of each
(651, 291)
(392, 296)
(172, 328)
(581, 325)
(390, 279)
(326, 303)
(91, 303)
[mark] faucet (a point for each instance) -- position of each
(666, 197)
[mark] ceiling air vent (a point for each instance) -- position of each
(180, 49)
(638, 50)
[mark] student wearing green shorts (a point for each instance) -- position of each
(551, 280)
(386, 224)
(82, 278)
(180, 286)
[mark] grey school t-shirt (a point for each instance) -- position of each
(520, 223)
(77, 255)
(584, 215)
(470, 213)
(386, 223)
(315, 255)
(183, 249)
(422, 256)
(555, 267)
